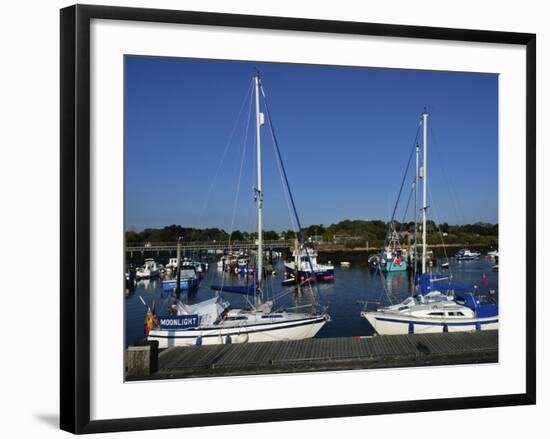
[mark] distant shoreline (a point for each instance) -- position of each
(341, 247)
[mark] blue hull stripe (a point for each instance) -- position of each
(408, 322)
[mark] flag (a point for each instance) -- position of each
(484, 279)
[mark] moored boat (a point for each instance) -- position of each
(431, 310)
(467, 255)
(214, 321)
(305, 265)
(189, 279)
(150, 269)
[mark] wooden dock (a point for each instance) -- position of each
(324, 354)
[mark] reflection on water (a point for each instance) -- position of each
(345, 296)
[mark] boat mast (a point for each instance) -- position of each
(424, 186)
(416, 211)
(259, 194)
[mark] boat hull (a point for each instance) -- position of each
(391, 267)
(187, 284)
(147, 275)
(323, 275)
(386, 324)
(279, 331)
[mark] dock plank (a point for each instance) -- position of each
(328, 354)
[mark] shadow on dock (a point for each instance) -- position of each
(325, 354)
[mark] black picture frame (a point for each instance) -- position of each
(75, 217)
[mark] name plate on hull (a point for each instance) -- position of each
(179, 322)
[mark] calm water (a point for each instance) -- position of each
(345, 296)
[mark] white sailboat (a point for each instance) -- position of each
(213, 321)
(431, 310)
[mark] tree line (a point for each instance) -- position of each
(347, 232)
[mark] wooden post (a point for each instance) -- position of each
(142, 359)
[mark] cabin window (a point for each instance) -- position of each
(272, 316)
(436, 314)
(237, 318)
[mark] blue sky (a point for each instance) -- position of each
(345, 134)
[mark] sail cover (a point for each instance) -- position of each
(207, 310)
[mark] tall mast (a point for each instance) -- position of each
(416, 211)
(259, 122)
(424, 186)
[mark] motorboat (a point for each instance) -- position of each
(305, 265)
(150, 269)
(189, 279)
(467, 255)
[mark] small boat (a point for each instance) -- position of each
(189, 280)
(467, 255)
(242, 266)
(444, 265)
(493, 254)
(305, 266)
(393, 257)
(200, 267)
(172, 264)
(150, 269)
(225, 261)
(494, 267)
(345, 264)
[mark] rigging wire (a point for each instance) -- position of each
(279, 157)
(447, 178)
(244, 147)
(439, 230)
(390, 224)
(406, 208)
(223, 156)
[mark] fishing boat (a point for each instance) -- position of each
(189, 279)
(436, 307)
(394, 257)
(214, 321)
(305, 265)
(150, 269)
(200, 267)
(467, 255)
(172, 264)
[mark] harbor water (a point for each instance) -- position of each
(345, 297)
